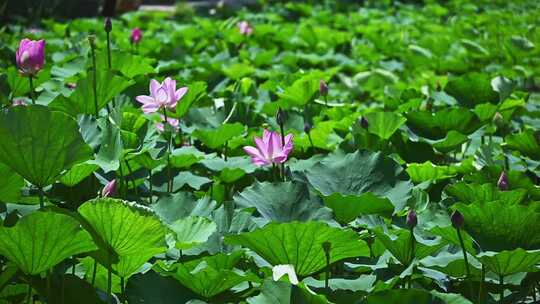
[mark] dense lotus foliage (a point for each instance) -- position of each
(299, 153)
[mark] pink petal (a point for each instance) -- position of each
(150, 108)
(144, 99)
(181, 92)
(256, 157)
(262, 146)
(154, 86)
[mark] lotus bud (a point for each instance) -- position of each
(136, 35)
(412, 219)
(30, 56)
(323, 88)
(498, 120)
(92, 40)
(280, 117)
(457, 219)
(502, 183)
(109, 189)
(307, 127)
(108, 25)
(363, 122)
(326, 247)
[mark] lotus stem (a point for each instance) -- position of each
(482, 279)
(109, 63)
(29, 294)
(150, 184)
(131, 178)
(501, 286)
(122, 180)
(122, 289)
(109, 282)
(225, 150)
(49, 289)
(413, 252)
(94, 271)
(41, 200)
(462, 244)
(169, 182)
(31, 93)
(94, 78)
(327, 247)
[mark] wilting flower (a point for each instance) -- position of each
(171, 121)
(269, 149)
(502, 183)
(109, 189)
(30, 56)
(162, 95)
(323, 88)
(412, 219)
(18, 102)
(136, 35)
(457, 219)
(245, 28)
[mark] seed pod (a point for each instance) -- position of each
(457, 219)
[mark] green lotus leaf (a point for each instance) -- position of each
(38, 153)
(10, 187)
(471, 89)
(348, 207)
(384, 124)
(300, 244)
(126, 228)
(216, 138)
(398, 242)
(509, 262)
(192, 230)
(489, 223)
(524, 142)
(208, 276)
(429, 172)
(436, 125)
(41, 240)
(470, 193)
(361, 172)
(77, 173)
(282, 202)
(415, 296)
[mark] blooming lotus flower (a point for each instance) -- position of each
(171, 121)
(245, 28)
(162, 95)
(136, 35)
(269, 149)
(109, 189)
(30, 56)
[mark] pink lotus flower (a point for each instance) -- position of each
(245, 28)
(30, 56)
(269, 149)
(136, 35)
(109, 189)
(171, 121)
(162, 95)
(18, 102)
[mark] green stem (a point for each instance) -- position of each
(109, 50)
(122, 180)
(327, 271)
(462, 244)
(49, 289)
(122, 289)
(169, 182)
(94, 271)
(29, 294)
(150, 184)
(109, 282)
(225, 150)
(31, 93)
(501, 286)
(131, 178)
(94, 78)
(41, 200)
(413, 252)
(482, 279)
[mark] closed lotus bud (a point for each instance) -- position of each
(323, 88)
(136, 35)
(457, 219)
(108, 25)
(502, 183)
(30, 56)
(307, 127)
(498, 120)
(280, 117)
(326, 247)
(109, 189)
(412, 219)
(363, 122)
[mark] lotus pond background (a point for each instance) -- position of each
(403, 166)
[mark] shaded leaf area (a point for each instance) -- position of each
(40, 154)
(415, 296)
(510, 262)
(282, 202)
(489, 223)
(301, 244)
(361, 172)
(41, 240)
(438, 125)
(151, 287)
(192, 230)
(173, 207)
(471, 193)
(10, 188)
(208, 276)
(285, 293)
